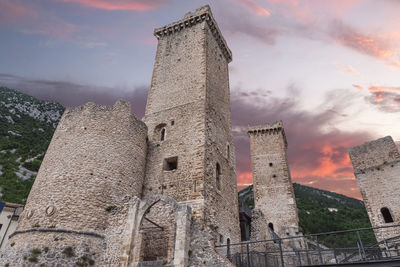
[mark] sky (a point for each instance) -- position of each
(329, 69)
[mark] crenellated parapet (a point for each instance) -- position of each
(268, 129)
(202, 14)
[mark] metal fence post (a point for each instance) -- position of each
(364, 256)
(334, 254)
(319, 250)
(299, 257)
(387, 249)
(248, 255)
(266, 259)
(281, 252)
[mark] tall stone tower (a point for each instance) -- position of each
(190, 149)
(377, 169)
(78, 206)
(273, 189)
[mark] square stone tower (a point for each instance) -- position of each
(377, 169)
(190, 147)
(273, 189)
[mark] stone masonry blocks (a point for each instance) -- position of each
(377, 169)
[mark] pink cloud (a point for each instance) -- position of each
(13, 12)
(31, 19)
(137, 5)
(370, 45)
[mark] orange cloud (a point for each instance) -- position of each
(259, 10)
(359, 88)
(244, 178)
(137, 5)
(382, 93)
(377, 89)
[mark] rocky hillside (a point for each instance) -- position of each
(323, 211)
(26, 127)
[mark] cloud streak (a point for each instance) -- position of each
(256, 8)
(32, 19)
(370, 45)
(386, 98)
(317, 150)
(71, 94)
(135, 5)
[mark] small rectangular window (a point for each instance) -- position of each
(170, 164)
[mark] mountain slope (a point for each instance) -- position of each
(323, 211)
(26, 127)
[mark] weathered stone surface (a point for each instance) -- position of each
(377, 167)
(189, 105)
(273, 189)
(114, 191)
(93, 166)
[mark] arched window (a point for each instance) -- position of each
(271, 226)
(162, 134)
(387, 216)
(218, 176)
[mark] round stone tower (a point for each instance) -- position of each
(78, 205)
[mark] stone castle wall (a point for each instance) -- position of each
(93, 166)
(188, 107)
(377, 167)
(273, 189)
(221, 198)
(176, 104)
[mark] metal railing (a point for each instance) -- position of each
(314, 249)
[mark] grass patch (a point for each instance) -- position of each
(69, 252)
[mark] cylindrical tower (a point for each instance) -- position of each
(77, 207)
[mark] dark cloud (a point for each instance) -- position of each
(317, 150)
(386, 101)
(71, 94)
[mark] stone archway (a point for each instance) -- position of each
(157, 231)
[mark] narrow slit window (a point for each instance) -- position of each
(228, 152)
(218, 176)
(228, 248)
(162, 134)
(170, 164)
(387, 216)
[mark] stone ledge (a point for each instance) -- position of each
(57, 230)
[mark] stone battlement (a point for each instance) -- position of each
(268, 128)
(201, 14)
(374, 154)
